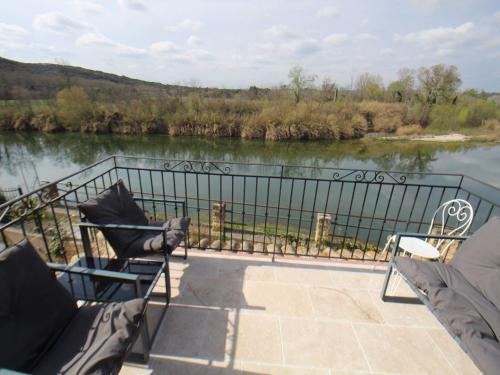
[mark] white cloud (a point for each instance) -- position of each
(193, 40)
(11, 32)
(280, 31)
(327, 12)
(386, 52)
(439, 38)
(186, 24)
(58, 23)
(366, 37)
(364, 22)
(427, 5)
(336, 39)
(288, 42)
(173, 52)
(497, 15)
(99, 40)
(89, 7)
(133, 5)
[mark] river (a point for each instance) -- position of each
(24, 156)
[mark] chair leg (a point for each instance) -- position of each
(146, 343)
(168, 286)
(386, 280)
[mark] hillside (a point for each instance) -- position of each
(42, 81)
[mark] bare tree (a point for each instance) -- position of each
(369, 87)
(402, 90)
(439, 83)
(299, 81)
(329, 90)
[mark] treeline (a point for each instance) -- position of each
(427, 100)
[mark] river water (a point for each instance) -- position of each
(23, 156)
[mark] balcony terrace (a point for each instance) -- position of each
(285, 264)
(233, 314)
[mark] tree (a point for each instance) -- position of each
(369, 87)
(329, 90)
(74, 106)
(299, 81)
(403, 88)
(439, 83)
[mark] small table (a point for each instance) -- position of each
(418, 247)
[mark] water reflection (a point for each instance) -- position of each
(57, 154)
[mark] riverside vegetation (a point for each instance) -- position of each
(424, 101)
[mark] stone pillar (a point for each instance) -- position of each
(323, 223)
(218, 216)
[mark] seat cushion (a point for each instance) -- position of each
(478, 260)
(34, 307)
(153, 241)
(95, 341)
(115, 206)
(464, 320)
(423, 274)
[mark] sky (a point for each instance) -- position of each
(239, 43)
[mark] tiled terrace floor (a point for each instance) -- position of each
(247, 315)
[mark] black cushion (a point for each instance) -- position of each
(34, 307)
(96, 340)
(478, 260)
(115, 206)
(153, 241)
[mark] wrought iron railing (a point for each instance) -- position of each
(261, 208)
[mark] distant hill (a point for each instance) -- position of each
(42, 81)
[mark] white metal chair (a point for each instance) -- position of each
(458, 210)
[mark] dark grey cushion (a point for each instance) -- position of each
(424, 275)
(153, 241)
(34, 307)
(115, 206)
(96, 340)
(478, 260)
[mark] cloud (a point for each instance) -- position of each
(280, 31)
(89, 7)
(366, 37)
(364, 22)
(386, 52)
(138, 5)
(285, 41)
(439, 38)
(58, 23)
(193, 40)
(11, 32)
(173, 52)
(427, 5)
(497, 15)
(327, 12)
(336, 39)
(99, 40)
(186, 24)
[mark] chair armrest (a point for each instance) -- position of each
(121, 227)
(4, 371)
(398, 237)
(120, 276)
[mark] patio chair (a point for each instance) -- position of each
(126, 227)
(458, 210)
(43, 331)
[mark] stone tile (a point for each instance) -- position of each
(405, 314)
(168, 366)
(181, 332)
(349, 279)
(135, 369)
(253, 368)
(454, 353)
(303, 275)
(402, 350)
(256, 338)
(344, 304)
(246, 270)
(210, 292)
(201, 266)
(321, 344)
(271, 298)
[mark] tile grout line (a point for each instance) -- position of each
(440, 351)
(281, 342)
(362, 349)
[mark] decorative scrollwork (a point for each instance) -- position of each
(368, 176)
(192, 166)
